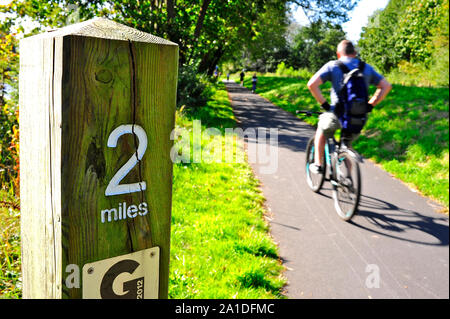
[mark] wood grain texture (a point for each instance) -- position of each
(40, 136)
(68, 112)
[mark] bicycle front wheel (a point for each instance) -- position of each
(314, 180)
(346, 186)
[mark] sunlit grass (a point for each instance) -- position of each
(10, 281)
(220, 242)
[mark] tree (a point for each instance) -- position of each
(268, 46)
(9, 157)
(315, 44)
(205, 30)
(409, 31)
(378, 40)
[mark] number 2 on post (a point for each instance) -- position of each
(114, 188)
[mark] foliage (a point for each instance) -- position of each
(9, 133)
(208, 32)
(379, 35)
(315, 44)
(204, 29)
(268, 44)
(416, 33)
(311, 46)
(10, 281)
(192, 87)
(283, 70)
(408, 133)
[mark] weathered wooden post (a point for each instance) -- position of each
(97, 106)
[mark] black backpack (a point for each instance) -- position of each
(353, 98)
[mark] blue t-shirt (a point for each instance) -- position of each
(332, 72)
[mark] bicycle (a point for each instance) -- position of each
(340, 165)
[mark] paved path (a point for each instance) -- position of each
(397, 237)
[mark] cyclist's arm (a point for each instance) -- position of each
(383, 89)
(313, 86)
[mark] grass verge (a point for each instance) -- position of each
(10, 281)
(408, 134)
(220, 242)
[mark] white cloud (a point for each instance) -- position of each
(360, 16)
(299, 16)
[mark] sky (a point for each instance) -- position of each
(358, 17)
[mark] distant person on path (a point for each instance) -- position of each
(254, 81)
(228, 76)
(242, 75)
(350, 106)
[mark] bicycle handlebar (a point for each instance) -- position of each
(308, 113)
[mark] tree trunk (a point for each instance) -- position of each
(210, 61)
(201, 18)
(170, 10)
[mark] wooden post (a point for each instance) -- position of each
(97, 106)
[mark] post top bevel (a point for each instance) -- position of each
(106, 29)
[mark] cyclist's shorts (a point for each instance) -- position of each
(328, 123)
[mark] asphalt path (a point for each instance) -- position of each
(397, 246)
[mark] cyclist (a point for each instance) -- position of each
(331, 120)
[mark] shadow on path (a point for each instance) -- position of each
(392, 221)
(386, 219)
(253, 111)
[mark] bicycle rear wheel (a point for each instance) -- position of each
(315, 181)
(346, 186)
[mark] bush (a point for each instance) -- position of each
(193, 88)
(9, 148)
(9, 114)
(290, 72)
(412, 74)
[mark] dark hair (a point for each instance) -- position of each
(346, 47)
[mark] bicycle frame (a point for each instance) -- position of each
(328, 154)
(342, 170)
(335, 149)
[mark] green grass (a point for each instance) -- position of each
(10, 281)
(220, 242)
(220, 245)
(408, 133)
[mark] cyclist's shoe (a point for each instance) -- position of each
(315, 169)
(348, 182)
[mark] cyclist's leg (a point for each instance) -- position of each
(328, 124)
(319, 147)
